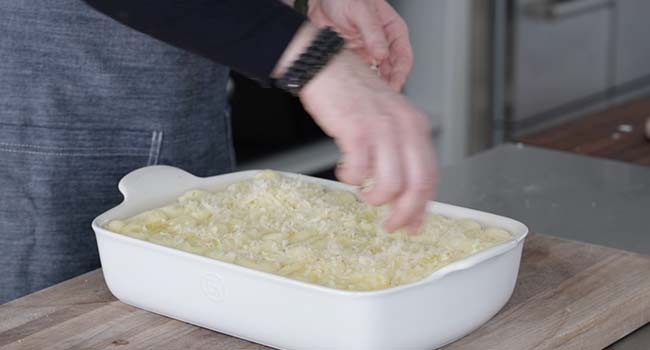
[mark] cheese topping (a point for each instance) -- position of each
(307, 232)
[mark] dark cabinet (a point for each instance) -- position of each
(568, 56)
(632, 48)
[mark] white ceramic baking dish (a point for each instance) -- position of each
(289, 314)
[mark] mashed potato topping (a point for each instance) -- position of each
(308, 232)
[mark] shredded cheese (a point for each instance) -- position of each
(308, 232)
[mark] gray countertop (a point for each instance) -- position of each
(562, 194)
(556, 193)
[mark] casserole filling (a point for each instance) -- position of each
(307, 232)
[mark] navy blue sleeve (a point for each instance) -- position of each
(247, 35)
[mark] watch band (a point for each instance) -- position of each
(326, 44)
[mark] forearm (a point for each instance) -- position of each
(249, 36)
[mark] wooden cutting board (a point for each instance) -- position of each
(569, 295)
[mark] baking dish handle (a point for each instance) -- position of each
(474, 259)
(154, 181)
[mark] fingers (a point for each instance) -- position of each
(364, 55)
(403, 212)
(385, 69)
(397, 154)
(400, 51)
(401, 63)
(354, 166)
(371, 29)
(386, 167)
(419, 165)
(381, 134)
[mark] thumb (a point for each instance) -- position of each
(372, 32)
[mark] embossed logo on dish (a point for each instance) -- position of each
(212, 286)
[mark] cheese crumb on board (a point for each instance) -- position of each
(306, 231)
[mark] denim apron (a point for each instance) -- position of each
(83, 101)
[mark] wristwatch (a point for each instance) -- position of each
(325, 45)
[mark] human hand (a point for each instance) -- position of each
(381, 134)
(372, 29)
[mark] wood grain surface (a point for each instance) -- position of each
(615, 133)
(569, 295)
